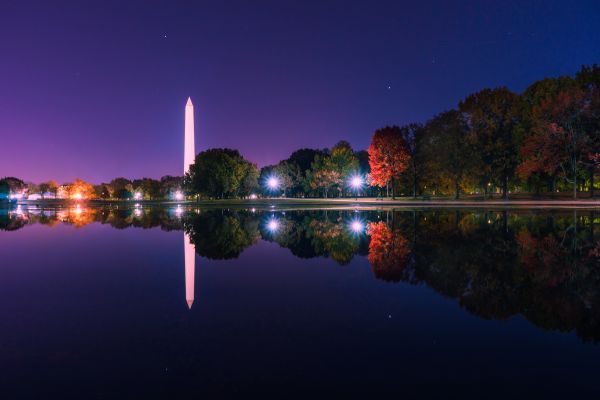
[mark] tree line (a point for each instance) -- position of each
(541, 141)
(167, 187)
(546, 139)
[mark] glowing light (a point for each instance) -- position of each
(273, 182)
(178, 195)
(137, 196)
(137, 212)
(273, 224)
(77, 196)
(179, 211)
(356, 181)
(78, 210)
(253, 196)
(357, 226)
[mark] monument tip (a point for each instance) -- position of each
(189, 303)
(189, 102)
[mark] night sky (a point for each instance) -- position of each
(97, 89)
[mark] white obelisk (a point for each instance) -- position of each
(190, 269)
(189, 152)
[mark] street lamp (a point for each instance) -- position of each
(356, 182)
(273, 183)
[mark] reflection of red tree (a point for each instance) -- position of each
(544, 258)
(595, 252)
(388, 252)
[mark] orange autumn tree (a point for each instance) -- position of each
(81, 189)
(388, 157)
(388, 252)
(562, 141)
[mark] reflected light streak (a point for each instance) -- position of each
(273, 225)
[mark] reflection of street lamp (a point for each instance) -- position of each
(356, 182)
(273, 225)
(357, 226)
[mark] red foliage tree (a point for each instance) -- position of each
(388, 251)
(561, 140)
(388, 156)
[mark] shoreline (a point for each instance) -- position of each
(336, 202)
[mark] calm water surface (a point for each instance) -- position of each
(179, 302)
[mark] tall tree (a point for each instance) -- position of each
(342, 162)
(217, 173)
(561, 140)
(450, 149)
(532, 98)
(413, 135)
(493, 116)
(388, 157)
(323, 176)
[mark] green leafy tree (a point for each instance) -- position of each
(414, 137)
(450, 150)
(170, 185)
(217, 173)
(149, 188)
(342, 162)
(493, 117)
(4, 189)
(122, 188)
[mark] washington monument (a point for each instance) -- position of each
(189, 152)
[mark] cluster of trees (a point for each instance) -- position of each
(548, 138)
(140, 189)
(9, 185)
(224, 173)
(120, 188)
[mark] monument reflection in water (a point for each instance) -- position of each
(190, 269)
(280, 295)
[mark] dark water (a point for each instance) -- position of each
(94, 302)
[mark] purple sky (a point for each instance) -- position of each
(97, 90)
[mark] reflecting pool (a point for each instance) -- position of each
(176, 302)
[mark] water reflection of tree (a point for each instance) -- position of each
(542, 265)
(221, 234)
(388, 252)
(498, 265)
(310, 234)
(11, 221)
